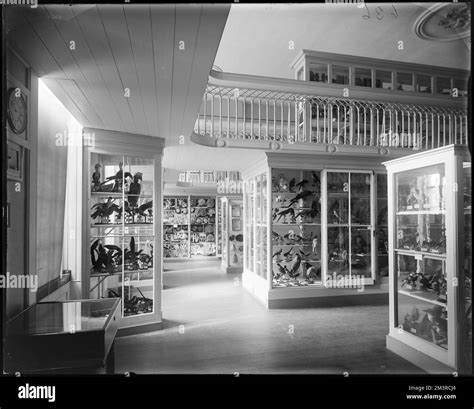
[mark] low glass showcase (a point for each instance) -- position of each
(430, 255)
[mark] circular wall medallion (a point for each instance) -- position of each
(383, 151)
(275, 145)
(221, 143)
(444, 22)
(332, 148)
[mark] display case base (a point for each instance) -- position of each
(232, 270)
(417, 357)
(139, 329)
(330, 301)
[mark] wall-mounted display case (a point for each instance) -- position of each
(189, 226)
(430, 258)
(348, 70)
(122, 254)
(324, 223)
(232, 234)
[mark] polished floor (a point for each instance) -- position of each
(212, 325)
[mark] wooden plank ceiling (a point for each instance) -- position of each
(161, 53)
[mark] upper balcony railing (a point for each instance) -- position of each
(251, 114)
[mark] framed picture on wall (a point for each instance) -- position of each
(14, 162)
(236, 225)
(235, 211)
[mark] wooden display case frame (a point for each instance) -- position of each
(376, 290)
(107, 142)
(423, 353)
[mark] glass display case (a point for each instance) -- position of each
(203, 226)
(232, 233)
(256, 225)
(320, 225)
(430, 271)
(392, 76)
(296, 228)
(349, 221)
(382, 227)
(122, 225)
(122, 231)
(219, 227)
(176, 227)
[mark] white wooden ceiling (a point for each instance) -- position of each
(161, 53)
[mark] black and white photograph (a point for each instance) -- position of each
(237, 190)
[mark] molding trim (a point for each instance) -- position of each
(308, 88)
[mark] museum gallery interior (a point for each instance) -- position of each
(248, 188)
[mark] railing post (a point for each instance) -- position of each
(220, 115)
(318, 131)
(330, 122)
(266, 119)
(236, 117)
(212, 115)
(251, 119)
(466, 142)
(282, 120)
(244, 131)
(205, 113)
(228, 117)
(289, 122)
(274, 120)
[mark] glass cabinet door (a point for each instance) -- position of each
(235, 235)
(175, 227)
(466, 279)
(420, 258)
(225, 232)
(249, 197)
(382, 226)
(349, 224)
(296, 228)
(122, 231)
(203, 226)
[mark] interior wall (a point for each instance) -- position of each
(56, 130)
(20, 185)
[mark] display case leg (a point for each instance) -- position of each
(110, 361)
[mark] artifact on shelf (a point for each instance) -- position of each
(103, 211)
(287, 213)
(96, 178)
(105, 258)
(115, 183)
(283, 184)
(436, 321)
(134, 189)
(413, 199)
(132, 256)
(133, 305)
(410, 322)
(312, 274)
